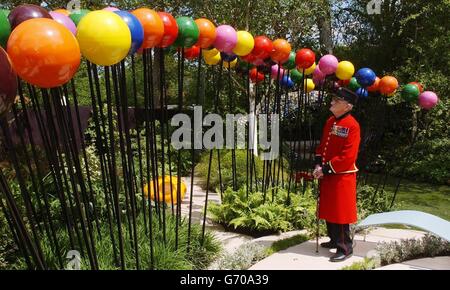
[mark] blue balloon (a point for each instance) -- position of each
(136, 29)
(287, 82)
(365, 77)
(362, 93)
(228, 57)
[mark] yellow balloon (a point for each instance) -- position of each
(213, 60)
(345, 70)
(310, 69)
(309, 85)
(245, 43)
(104, 37)
(231, 64)
(209, 53)
(169, 195)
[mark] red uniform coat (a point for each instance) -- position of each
(338, 151)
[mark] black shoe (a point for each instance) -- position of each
(328, 245)
(340, 257)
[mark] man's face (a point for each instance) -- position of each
(339, 106)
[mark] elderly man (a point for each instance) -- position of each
(335, 167)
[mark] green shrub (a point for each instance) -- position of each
(366, 264)
(243, 258)
(257, 216)
(8, 249)
(408, 249)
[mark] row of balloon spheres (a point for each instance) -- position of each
(45, 49)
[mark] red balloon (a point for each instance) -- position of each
(263, 47)
(305, 58)
(256, 76)
(8, 83)
(375, 86)
(250, 58)
(418, 85)
(170, 29)
(343, 83)
(25, 12)
(281, 51)
(192, 52)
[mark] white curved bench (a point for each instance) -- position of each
(422, 220)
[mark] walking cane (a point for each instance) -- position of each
(315, 185)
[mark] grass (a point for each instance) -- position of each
(412, 195)
(286, 243)
(166, 255)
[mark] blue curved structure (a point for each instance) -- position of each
(422, 220)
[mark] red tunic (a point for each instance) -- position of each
(338, 151)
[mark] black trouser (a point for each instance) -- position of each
(340, 236)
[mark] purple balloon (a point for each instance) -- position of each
(24, 12)
(64, 20)
(112, 9)
(274, 72)
(328, 64)
(226, 38)
(318, 82)
(427, 100)
(318, 74)
(8, 83)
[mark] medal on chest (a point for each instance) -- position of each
(339, 131)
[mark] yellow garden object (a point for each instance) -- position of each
(167, 189)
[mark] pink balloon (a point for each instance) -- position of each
(328, 64)
(226, 38)
(318, 74)
(427, 100)
(112, 9)
(64, 20)
(274, 72)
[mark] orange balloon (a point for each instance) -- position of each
(44, 52)
(63, 11)
(152, 24)
(281, 51)
(388, 85)
(207, 34)
(375, 86)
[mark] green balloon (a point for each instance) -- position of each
(5, 30)
(4, 11)
(410, 93)
(296, 76)
(188, 32)
(290, 63)
(76, 16)
(354, 85)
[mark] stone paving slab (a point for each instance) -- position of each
(435, 263)
(304, 257)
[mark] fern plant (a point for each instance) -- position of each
(258, 214)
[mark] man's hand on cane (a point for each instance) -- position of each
(317, 173)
